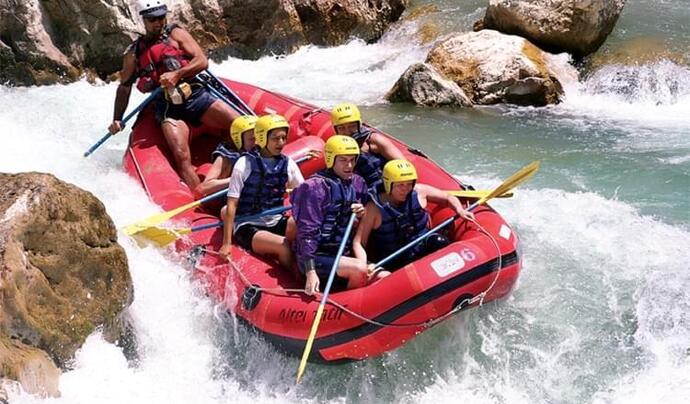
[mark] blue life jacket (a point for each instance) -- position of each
(369, 165)
(226, 150)
(338, 211)
(265, 186)
(399, 226)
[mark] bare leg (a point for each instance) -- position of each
(219, 115)
(354, 270)
(291, 230)
(267, 243)
(176, 133)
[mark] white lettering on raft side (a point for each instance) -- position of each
(504, 232)
(448, 264)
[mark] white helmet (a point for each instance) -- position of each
(151, 8)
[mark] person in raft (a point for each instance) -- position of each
(167, 56)
(321, 208)
(396, 215)
(258, 182)
(226, 154)
(375, 148)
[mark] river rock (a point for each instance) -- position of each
(63, 273)
(491, 68)
(423, 85)
(575, 26)
(56, 41)
(31, 367)
(636, 52)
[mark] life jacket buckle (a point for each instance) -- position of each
(178, 94)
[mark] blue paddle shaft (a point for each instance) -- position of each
(224, 192)
(422, 237)
(127, 118)
(415, 241)
(213, 196)
(272, 211)
(225, 100)
(341, 249)
(238, 99)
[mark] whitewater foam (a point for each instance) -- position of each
(600, 313)
(355, 72)
(619, 280)
(654, 95)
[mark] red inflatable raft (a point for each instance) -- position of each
(481, 264)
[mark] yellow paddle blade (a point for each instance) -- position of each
(158, 218)
(477, 193)
(310, 342)
(159, 236)
(514, 180)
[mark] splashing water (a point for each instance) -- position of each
(601, 311)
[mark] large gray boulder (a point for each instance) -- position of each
(489, 68)
(578, 27)
(31, 367)
(57, 41)
(63, 276)
(421, 84)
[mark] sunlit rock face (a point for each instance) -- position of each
(483, 68)
(62, 276)
(43, 42)
(578, 27)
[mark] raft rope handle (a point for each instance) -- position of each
(424, 324)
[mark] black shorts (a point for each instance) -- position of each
(245, 233)
(323, 265)
(190, 111)
(430, 244)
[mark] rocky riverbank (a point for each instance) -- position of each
(62, 276)
(45, 42)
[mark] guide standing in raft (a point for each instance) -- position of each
(167, 56)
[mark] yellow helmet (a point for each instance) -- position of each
(345, 113)
(266, 124)
(239, 126)
(398, 170)
(338, 145)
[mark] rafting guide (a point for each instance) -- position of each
(167, 56)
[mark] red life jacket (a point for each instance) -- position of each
(157, 57)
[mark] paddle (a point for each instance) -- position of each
(476, 193)
(222, 84)
(319, 312)
(124, 121)
(158, 218)
(225, 100)
(520, 176)
(162, 237)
